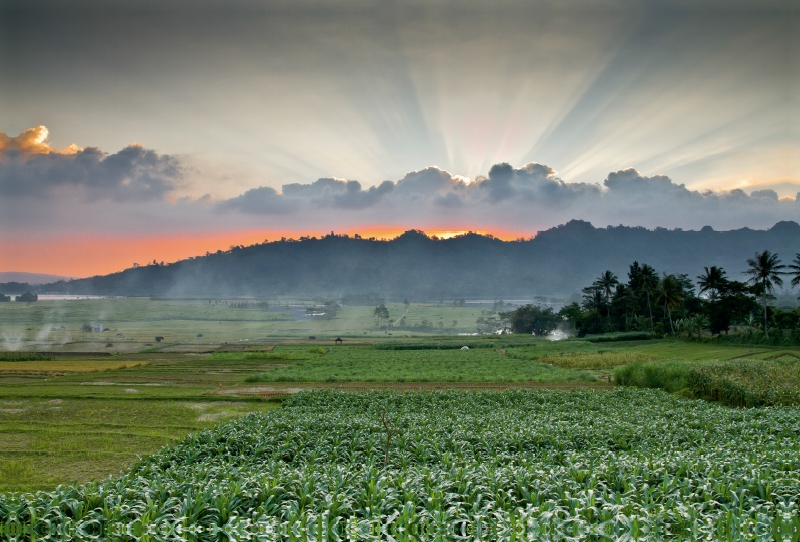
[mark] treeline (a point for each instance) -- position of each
(27, 297)
(661, 303)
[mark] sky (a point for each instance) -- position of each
(161, 130)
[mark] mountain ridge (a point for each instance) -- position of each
(557, 261)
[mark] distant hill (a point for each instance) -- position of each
(558, 261)
(29, 278)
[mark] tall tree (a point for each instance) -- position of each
(795, 270)
(765, 271)
(648, 281)
(669, 292)
(382, 313)
(605, 283)
(712, 280)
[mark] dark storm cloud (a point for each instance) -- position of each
(322, 193)
(337, 193)
(533, 183)
(767, 194)
(261, 200)
(132, 174)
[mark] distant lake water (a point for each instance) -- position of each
(66, 297)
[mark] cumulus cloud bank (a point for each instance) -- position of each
(525, 197)
(31, 167)
(33, 141)
(428, 188)
(135, 183)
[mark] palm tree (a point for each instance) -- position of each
(765, 271)
(670, 294)
(605, 283)
(648, 280)
(795, 270)
(712, 280)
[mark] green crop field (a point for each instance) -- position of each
(77, 407)
(545, 465)
(367, 364)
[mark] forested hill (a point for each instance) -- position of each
(558, 261)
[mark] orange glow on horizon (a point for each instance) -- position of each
(85, 255)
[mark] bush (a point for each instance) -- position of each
(756, 338)
(738, 382)
(24, 356)
(598, 360)
(747, 382)
(670, 375)
(533, 319)
(620, 336)
(435, 346)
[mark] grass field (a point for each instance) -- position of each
(66, 366)
(626, 465)
(47, 442)
(139, 320)
(367, 364)
(73, 425)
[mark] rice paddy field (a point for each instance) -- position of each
(256, 430)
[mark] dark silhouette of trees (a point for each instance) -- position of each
(669, 293)
(532, 319)
(643, 281)
(382, 313)
(711, 281)
(605, 283)
(795, 270)
(765, 272)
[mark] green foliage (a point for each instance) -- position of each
(619, 336)
(24, 356)
(669, 375)
(533, 319)
(27, 297)
(285, 353)
(435, 346)
(753, 337)
(737, 382)
(623, 465)
(381, 313)
(747, 383)
(597, 360)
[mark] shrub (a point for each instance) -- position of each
(747, 382)
(754, 337)
(619, 336)
(582, 360)
(738, 382)
(435, 346)
(670, 375)
(24, 356)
